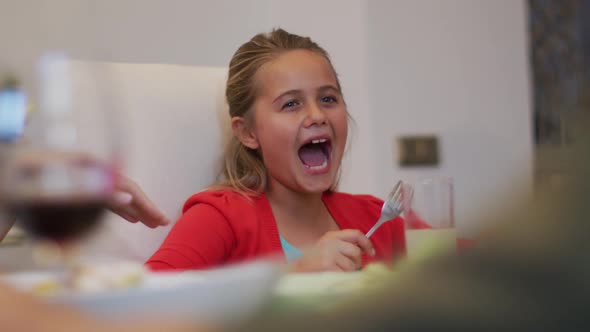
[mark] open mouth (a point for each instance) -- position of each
(315, 155)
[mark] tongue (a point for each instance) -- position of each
(312, 155)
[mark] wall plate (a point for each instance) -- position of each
(418, 151)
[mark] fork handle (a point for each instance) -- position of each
(375, 227)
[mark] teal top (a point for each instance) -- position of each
(291, 253)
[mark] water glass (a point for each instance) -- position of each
(429, 218)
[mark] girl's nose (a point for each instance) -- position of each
(315, 115)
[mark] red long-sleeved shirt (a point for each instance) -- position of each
(219, 227)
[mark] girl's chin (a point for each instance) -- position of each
(315, 187)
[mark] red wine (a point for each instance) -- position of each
(58, 221)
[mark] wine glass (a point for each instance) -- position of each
(59, 178)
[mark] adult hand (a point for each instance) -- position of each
(132, 204)
(336, 251)
(129, 202)
(5, 226)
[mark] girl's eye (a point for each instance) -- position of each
(290, 104)
(328, 99)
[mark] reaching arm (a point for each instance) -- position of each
(129, 202)
(132, 204)
(5, 226)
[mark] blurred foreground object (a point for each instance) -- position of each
(125, 292)
(58, 183)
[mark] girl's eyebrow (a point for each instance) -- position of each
(323, 88)
(290, 92)
(328, 87)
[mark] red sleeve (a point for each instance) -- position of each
(201, 238)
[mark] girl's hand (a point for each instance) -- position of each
(336, 251)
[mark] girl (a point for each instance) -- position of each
(289, 121)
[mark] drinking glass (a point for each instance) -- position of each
(429, 218)
(56, 183)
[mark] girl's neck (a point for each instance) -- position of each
(295, 202)
(300, 206)
(302, 219)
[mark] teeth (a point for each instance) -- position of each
(321, 140)
(322, 166)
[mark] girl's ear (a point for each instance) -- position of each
(244, 133)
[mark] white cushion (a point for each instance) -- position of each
(174, 119)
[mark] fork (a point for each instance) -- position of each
(393, 206)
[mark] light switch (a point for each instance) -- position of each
(418, 151)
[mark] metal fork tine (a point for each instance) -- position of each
(395, 203)
(395, 192)
(395, 188)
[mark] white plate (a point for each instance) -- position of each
(319, 284)
(216, 296)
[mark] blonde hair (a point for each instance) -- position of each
(243, 168)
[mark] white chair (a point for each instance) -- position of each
(174, 121)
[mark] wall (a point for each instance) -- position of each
(456, 68)
(199, 32)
